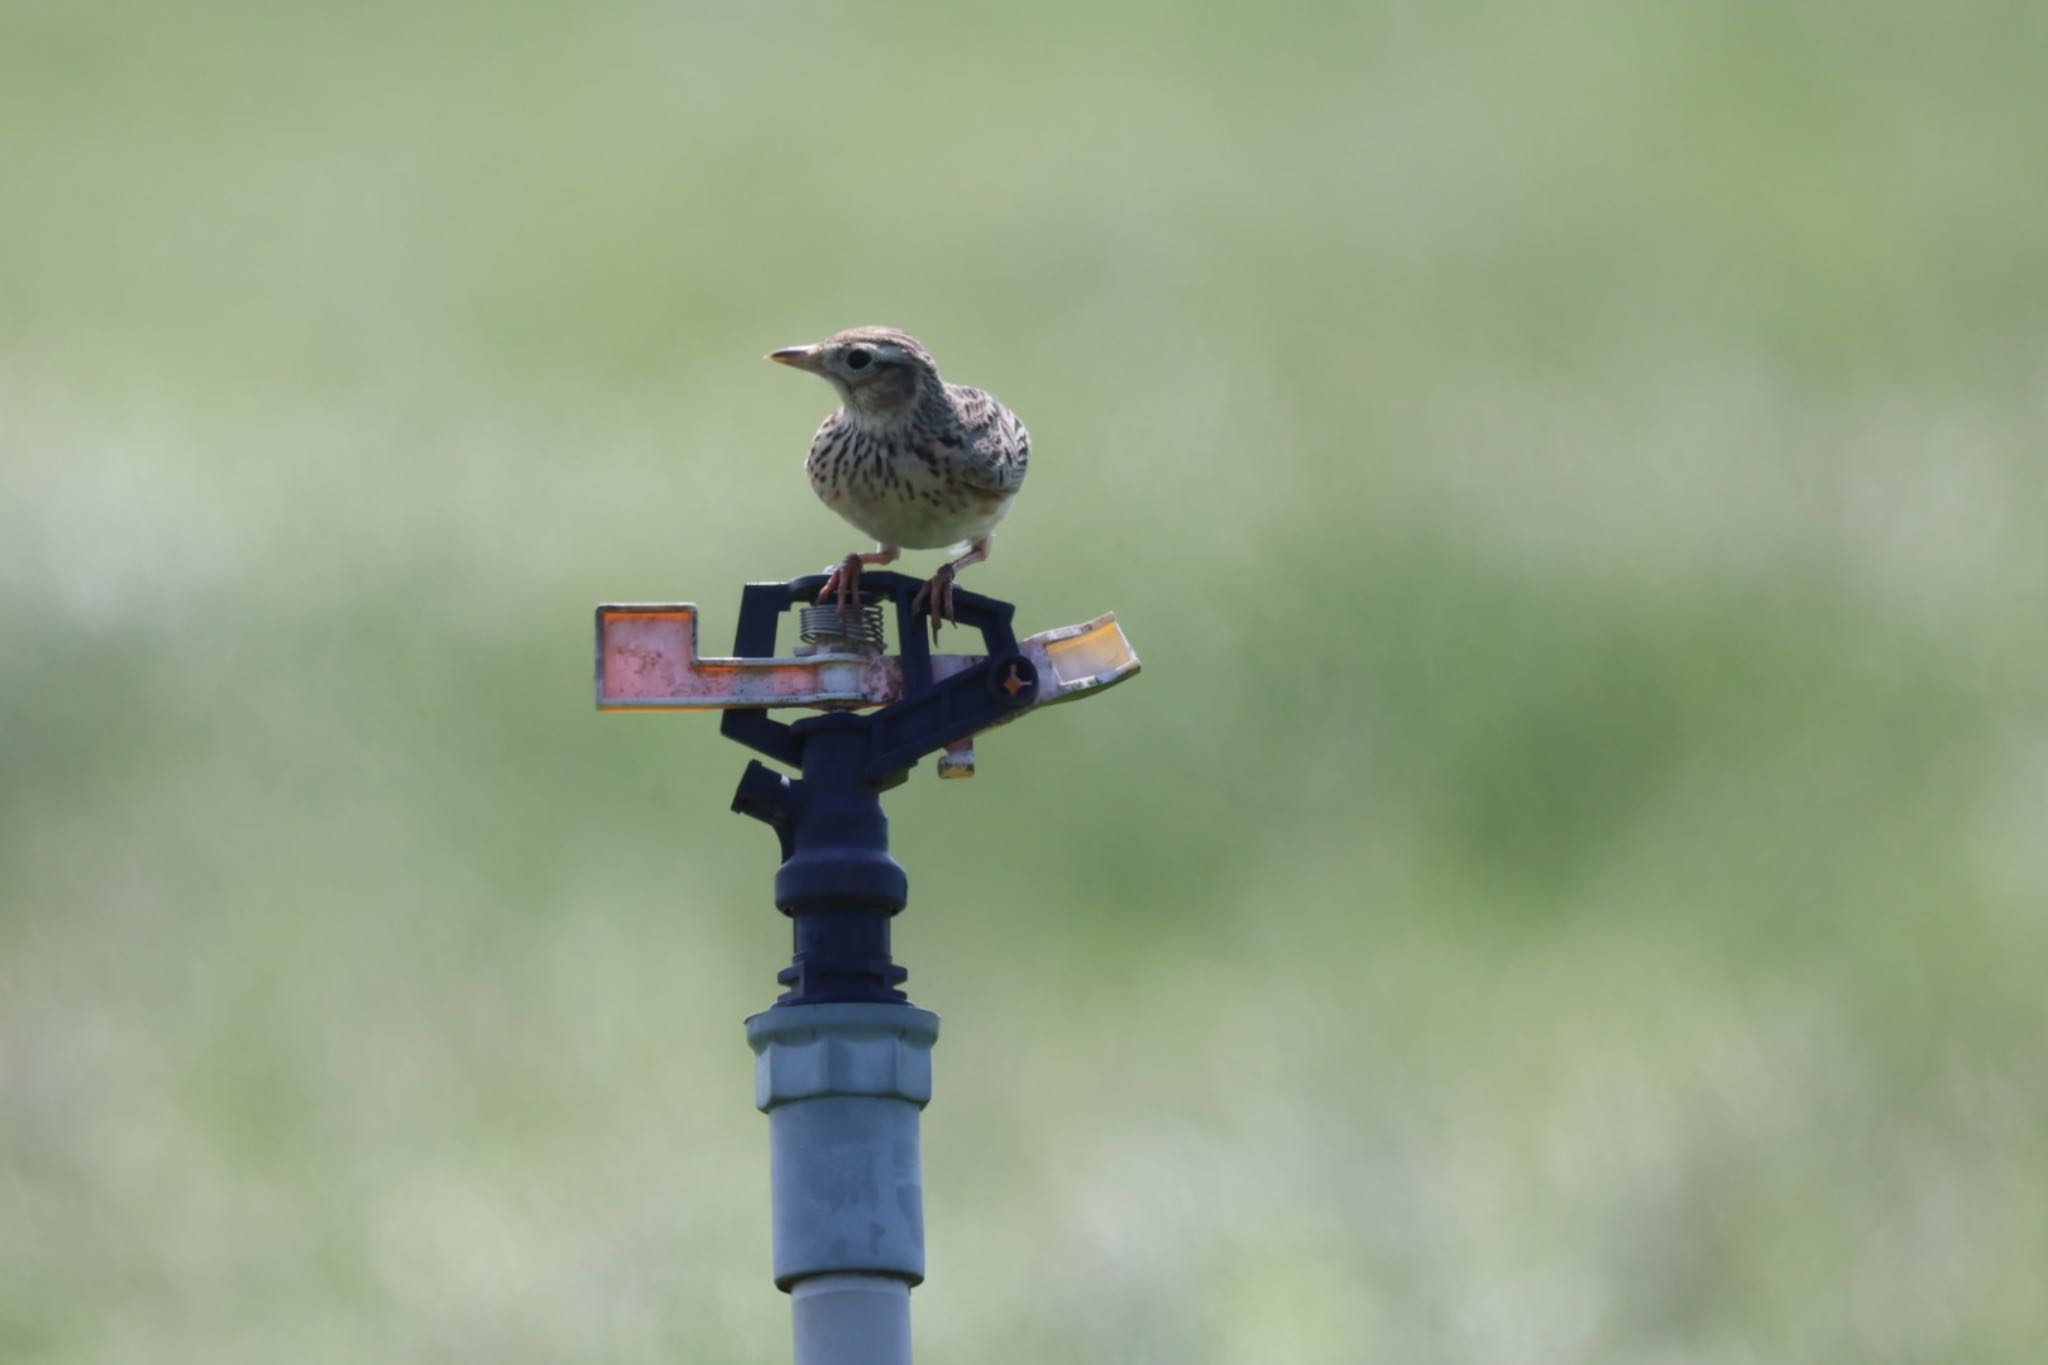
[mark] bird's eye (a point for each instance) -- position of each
(857, 359)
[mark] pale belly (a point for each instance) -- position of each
(915, 523)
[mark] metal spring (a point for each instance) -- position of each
(825, 629)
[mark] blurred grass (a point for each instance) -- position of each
(1569, 884)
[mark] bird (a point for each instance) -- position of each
(908, 459)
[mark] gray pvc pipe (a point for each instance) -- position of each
(851, 1320)
(842, 1085)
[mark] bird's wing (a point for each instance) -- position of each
(996, 448)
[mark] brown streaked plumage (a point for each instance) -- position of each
(911, 460)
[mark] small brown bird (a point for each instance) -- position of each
(909, 459)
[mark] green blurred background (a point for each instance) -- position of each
(1570, 883)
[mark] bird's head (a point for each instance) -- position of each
(880, 372)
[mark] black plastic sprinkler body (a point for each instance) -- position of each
(837, 881)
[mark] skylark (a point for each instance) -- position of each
(909, 459)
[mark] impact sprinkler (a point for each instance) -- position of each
(843, 1059)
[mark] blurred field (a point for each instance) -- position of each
(1569, 886)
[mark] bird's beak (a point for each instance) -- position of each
(801, 357)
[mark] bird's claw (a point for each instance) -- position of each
(844, 583)
(936, 597)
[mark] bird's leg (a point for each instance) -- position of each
(845, 580)
(936, 596)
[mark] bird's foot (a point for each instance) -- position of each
(843, 584)
(936, 597)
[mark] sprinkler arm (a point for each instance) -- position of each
(648, 659)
